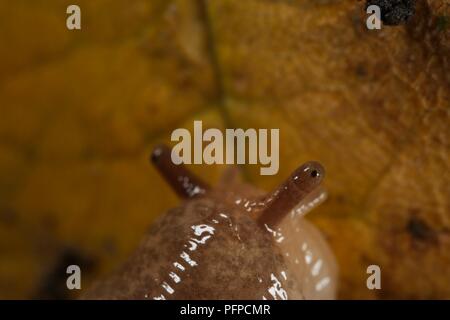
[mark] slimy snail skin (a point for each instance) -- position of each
(229, 242)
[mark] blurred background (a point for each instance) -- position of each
(81, 110)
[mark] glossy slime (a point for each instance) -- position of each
(230, 242)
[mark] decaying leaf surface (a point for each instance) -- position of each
(373, 107)
(81, 111)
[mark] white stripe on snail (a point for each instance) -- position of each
(193, 245)
(309, 203)
(316, 268)
(280, 239)
(202, 240)
(308, 257)
(276, 234)
(276, 291)
(322, 283)
(179, 266)
(168, 288)
(174, 277)
(188, 259)
(201, 228)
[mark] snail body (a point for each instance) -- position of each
(230, 242)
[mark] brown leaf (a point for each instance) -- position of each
(82, 109)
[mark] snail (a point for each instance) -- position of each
(229, 242)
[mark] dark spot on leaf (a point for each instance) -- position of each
(394, 12)
(419, 230)
(443, 22)
(8, 216)
(361, 70)
(53, 283)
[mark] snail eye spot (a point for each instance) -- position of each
(314, 173)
